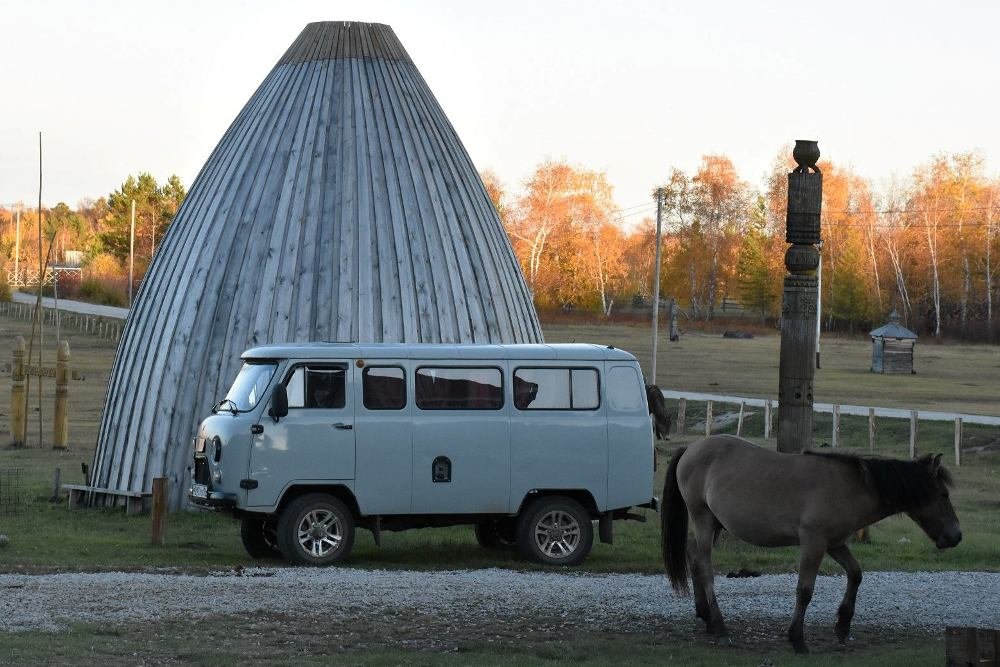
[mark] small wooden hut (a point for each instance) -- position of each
(892, 347)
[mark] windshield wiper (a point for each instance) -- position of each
(233, 407)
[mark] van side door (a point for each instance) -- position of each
(383, 432)
(461, 438)
(314, 443)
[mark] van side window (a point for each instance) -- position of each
(451, 388)
(317, 387)
(384, 388)
(556, 389)
(625, 392)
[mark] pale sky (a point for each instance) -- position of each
(631, 88)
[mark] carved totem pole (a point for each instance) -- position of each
(798, 307)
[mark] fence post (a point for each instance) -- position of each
(958, 441)
(60, 429)
(681, 411)
(767, 419)
(913, 434)
(18, 409)
(871, 430)
(739, 422)
(708, 418)
(159, 511)
(836, 427)
(56, 476)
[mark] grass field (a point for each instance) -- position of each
(951, 377)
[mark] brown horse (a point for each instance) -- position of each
(813, 500)
(658, 412)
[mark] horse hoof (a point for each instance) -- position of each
(801, 649)
(842, 634)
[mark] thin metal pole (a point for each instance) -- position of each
(17, 248)
(819, 299)
(131, 254)
(656, 281)
(41, 276)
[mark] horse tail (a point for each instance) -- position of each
(674, 528)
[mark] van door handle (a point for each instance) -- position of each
(343, 427)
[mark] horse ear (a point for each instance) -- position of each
(927, 460)
(937, 462)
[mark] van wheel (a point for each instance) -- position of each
(316, 529)
(496, 534)
(555, 531)
(260, 538)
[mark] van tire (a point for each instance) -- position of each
(315, 529)
(259, 537)
(497, 534)
(555, 530)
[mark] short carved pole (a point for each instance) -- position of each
(18, 408)
(60, 429)
(708, 418)
(797, 362)
(681, 414)
(159, 511)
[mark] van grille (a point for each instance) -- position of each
(201, 474)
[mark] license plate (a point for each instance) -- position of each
(199, 491)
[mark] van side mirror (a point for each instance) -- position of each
(279, 403)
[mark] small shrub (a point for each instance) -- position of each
(95, 291)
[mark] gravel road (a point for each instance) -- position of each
(912, 602)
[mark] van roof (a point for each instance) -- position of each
(555, 351)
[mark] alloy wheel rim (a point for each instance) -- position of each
(557, 534)
(320, 533)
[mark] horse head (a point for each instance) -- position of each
(658, 410)
(935, 515)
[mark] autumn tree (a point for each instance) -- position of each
(707, 214)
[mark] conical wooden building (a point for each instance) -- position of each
(340, 205)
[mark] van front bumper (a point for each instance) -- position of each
(653, 504)
(200, 495)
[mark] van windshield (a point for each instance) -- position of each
(249, 387)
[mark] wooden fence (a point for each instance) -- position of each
(108, 328)
(835, 439)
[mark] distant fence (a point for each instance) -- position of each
(835, 410)
(109, 328)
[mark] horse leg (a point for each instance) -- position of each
(700, 601)
(706, 527)
(809, 560)
(845, 614)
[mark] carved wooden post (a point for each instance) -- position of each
(60, 429)
(18, 409)
(798, 308)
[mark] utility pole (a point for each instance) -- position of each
(656, 280)
(797, 365)
(17, 247)
(131, 254)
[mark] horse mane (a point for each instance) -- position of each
(899, 485)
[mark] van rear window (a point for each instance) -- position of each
(556, 389)
(451, 388)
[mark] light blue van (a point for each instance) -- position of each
(530, 444)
